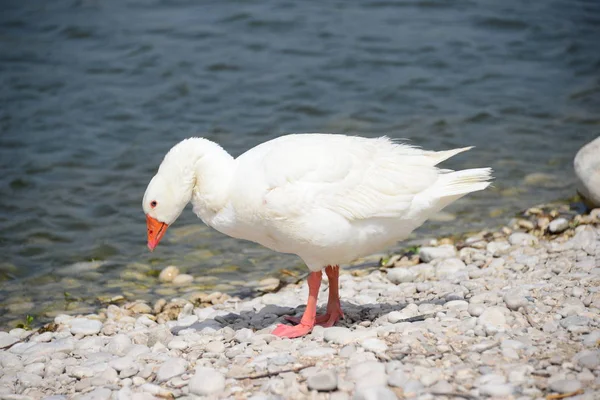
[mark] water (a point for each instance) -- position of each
(94, 92)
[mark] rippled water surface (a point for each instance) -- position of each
(94, 92)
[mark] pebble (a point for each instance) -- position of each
(29, 380)
(449, 267)
(7, 340)
(493, 318)
(338, 335)
(565, 386)
(183, 279)
(119, 344)
(401, 275)
(514, 299)
(168, 274)
(558, 225)
(588, 359)
(497, 247)
(206, 382)
(368, 373)
(428, 254)
(374, 345)
(122, 363)
(457, 305)
(170, 368)
(476, 310)
(97, 394)
(85, 326)
(522, 239)
(375, 393)
(398, 378)
(323, 381)
(496, 390)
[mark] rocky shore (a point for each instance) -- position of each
(513, 313)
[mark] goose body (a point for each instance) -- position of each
(327, 198)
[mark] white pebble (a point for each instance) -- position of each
(206, 381)
(85, 326)
(170, 368)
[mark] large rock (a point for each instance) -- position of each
(587, 169)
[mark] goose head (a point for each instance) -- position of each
(164, 200)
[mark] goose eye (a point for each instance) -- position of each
(153, 203)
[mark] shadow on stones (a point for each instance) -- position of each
(273, 314)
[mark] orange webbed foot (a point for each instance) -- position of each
(292, 331)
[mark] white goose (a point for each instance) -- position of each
(330, 199)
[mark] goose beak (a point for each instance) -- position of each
(156, 230)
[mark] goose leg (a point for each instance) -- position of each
(334, 308)
(309, 318)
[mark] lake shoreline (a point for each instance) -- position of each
(508, 313)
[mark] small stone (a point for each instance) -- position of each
(85, 326)
(457, 305)
(496, 390)
(374, 393)
(449, 267)
(401, 275)
(323, 381)
(427, 254)
(514, 299)
(348, 351)
(370, 373)
(36, 368)
(206, 381)
(592, 339)
(525, 224)
(168, 274)
(141, 308)
(183, 279)
(244, 335)
(412, 388)
(97, 394)
(269, 285)
(338, 335)
(522, 239)
(177, 344)
(397, 316)
(119, 344)
(475, 310)
(80, 372)
(397, 378)
(29, 380)
(156, 390)
(215, 347)
(496, 248)
(558, 225)
(492, 317)
(122, 363)
(565, 386)
(159, 335)
(170, 368)
(423, 287)
(374, 345)
(7, 339)
(588, 359)
(318, 352)
(574, 320)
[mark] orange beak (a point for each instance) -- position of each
(156, 230)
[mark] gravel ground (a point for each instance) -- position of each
(507, 314)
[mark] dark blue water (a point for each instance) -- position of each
(94, 92)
